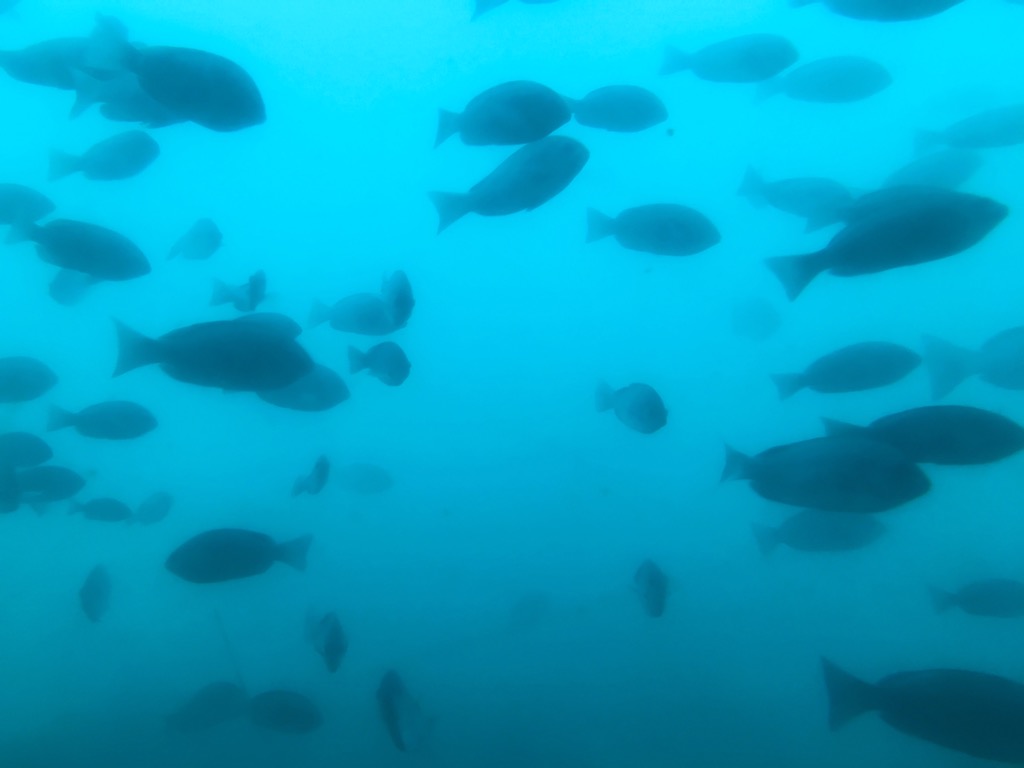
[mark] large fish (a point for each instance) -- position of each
(744, 59)
(999, 362)
(83, 247)
(516, 112)
(225, 554)
(853, 368)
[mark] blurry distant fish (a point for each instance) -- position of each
(112, 420)
(315, 481)
(225, 554)
(200, 242)
(637, 406)
(68, 287)
(744, 59)
(154, 508)
(482, 6)
(245, 297)
(993, 128)
(883, 10)
(972, 713)
(396, 292)
(854, 368)
(42, 485)
(386, 362)
(999, 362)
(942, 434)
(819, 201)
(328, 638)
(525, 180)
(662, 229)
(253, 353)
(119, 157)
(21, 450)
(812, 531)
(20, 204)
(922, 228)
(755, 319)
(516, 112)
(406, 722)
(947, 168)
(835, 80)
(89, 248)
(363, 478)
(835, 474)
(94, 594)
(319, 390)
(363, 313)
(24, 378)
(620, 108)
(103, 510)
(208, 707)
(50, 63)
(285, 712)
(651, 585)
(998, 598)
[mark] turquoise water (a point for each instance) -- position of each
(508, 486)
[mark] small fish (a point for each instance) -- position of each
(327, 638)
(819, 201)
(119, 157)
(315, 481)
(94, 594)
(834, 80)
(386, 362)
(48, 483)
(245, 297)
(201, 241)
(154, 508)
(663, 229)
(516, 112)
(620, 108)
(407, 724)
(69, 287)
(638, 406)
(319, 390)
(812, 531)
(113, 420)
(21, 450)
(744, 59)
(103, 510)
(997, 598)
(853, 368)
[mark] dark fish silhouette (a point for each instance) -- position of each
(225, 554)
(94, 594)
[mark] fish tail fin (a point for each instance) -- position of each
(737, 465)
(848, 697)
(604, 397)
(448, 124)
(356, 360)
(599, 226)
(767, 538)
(62, 164)
(674, 61)
(134, 350)
(86, 92)
(21, 232)
(836, 428)
(942, 600)
(788, 384)
(221, 293)
(796, 272)
(319, 314)
(58, 418)
(752, 187)
(947, 365)
(926, 141)
(294, 552)
(451, 206)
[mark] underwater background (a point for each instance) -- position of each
(496, 575)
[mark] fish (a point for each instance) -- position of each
(406, 722)
(925, 227)
(119, 157)
(245, 297)
(200, 242)
(832, 474)
(319, 390)
(386, 362)
(883, 10)
(84, 247)
(248, 354)
(833, 80)
(619, 108)
(94, 594)
(225, 554)
(662, 229)
(999, 362)
(973, 713)
(103, 510)
(210, 706)
(525, 180)
(991, 129)
(958, 435)
(482, 6)
(154, 508)
(315, 481)
(69, 287)
(328, 639)
(651, 585)
(364, 313)
(946, 169)
(516, 112)
(813, 531)
(638, 406)
(397, 294)
(364, 479)
(48, 483)
(997, 598)
(821, 202)
(21, 450)
(121, 99)
(744, 59)
(23, 379)
(284, 712)
(112, 420)
(20, 204)
(49, 63)
(853, 368)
